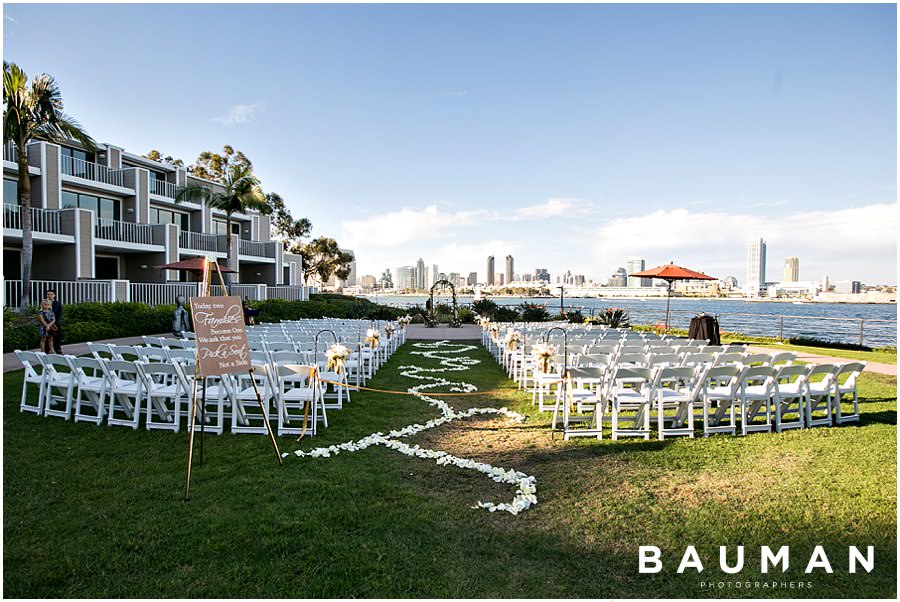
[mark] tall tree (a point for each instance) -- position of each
(155, 155)
(215, 167)
(34, 113)
(240, 191)
(287, 229)
(323, 258)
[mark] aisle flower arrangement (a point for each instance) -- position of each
(543, 355)
(337, 354)
(484, 322)
(512, 339)
(450, 359)
(373, 335)
(389, 331)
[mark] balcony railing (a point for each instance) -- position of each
(10, 152)
(162, 188)
(110, 229)
(201, 242)
(288, 293)
(244, 291)
(42, 220)
(161, 294)
(68, 291)
(92, 171)
(256, 249)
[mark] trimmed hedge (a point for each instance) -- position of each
(97, 321)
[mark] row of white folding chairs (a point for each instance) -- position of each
(118, 392)
(335, 394)
(763, 398)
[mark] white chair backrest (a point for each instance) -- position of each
(31, 363)
(847, 374)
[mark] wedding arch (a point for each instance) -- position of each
(442, 285)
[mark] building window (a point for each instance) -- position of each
(219, 227)
(102, 207)
(76, 153)
(168, 216)
(10, 192)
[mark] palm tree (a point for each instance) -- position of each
(33, 113)
(241, 191)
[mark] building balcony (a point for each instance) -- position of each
(124, 232)
(94, 172)
(196, 241)
(163, 189)
(10, 152)
(254, 248)
(42, 220)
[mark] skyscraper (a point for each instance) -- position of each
(542, 275)
(509, 269)
(756, 267)
(405, 277)
(636, 264)
(420, 274)
(489, 277)
(434, 274)
(473, 279)
(791, 269)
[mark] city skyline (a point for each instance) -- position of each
(793, 140)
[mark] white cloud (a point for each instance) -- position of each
(239, 114)
(408, 225)
(554, 208)
(10, 19)
(857, 242)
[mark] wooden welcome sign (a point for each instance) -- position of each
(221, 335)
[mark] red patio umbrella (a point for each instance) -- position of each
(670, 273)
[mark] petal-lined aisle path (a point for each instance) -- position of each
(451, 358)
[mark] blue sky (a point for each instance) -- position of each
(570, 136)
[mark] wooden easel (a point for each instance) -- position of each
(204, 290)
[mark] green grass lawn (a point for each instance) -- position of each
(98, 511)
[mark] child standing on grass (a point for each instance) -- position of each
(48, 324)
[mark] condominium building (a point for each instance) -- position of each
(848, 287)
(434, 275)
(756, 267)
(791, 269)
(509, 269)
(542, 275)
(489, 277)
(421, 277)
(633, 265)
(405, 277)
(472, 280)
(111, 215)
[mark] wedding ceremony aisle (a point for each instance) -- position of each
(410, 493)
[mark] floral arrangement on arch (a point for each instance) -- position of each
(337, 354)
(512, 339)
(373, 336)
(543, 355)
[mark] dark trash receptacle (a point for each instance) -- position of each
(705, 327)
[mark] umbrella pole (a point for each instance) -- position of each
(668, 297)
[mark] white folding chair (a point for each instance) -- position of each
(298, 399)
(165, 389)
(631, 391)
(790, 397)
(845, 384)
(90, 401)
(249, 389)
(36, 375)
(674, 389)
(720, 386)
(61, 380)
(757, 391)
(819, 394)
(126, 391)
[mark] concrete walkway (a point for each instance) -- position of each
(11, 362)
(877, 368)
(466, 332)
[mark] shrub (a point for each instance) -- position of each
(466, 315)
(486, 307)
(532, 312)
(575, 317)
(506, 314)
(614, 317)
